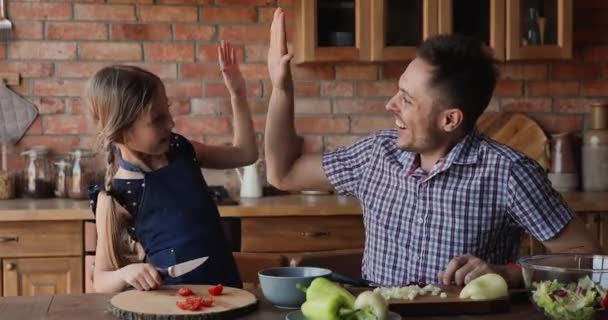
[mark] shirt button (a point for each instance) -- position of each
(420, 220)
(416, 257)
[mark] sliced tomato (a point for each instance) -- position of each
(184, 305)
(184, 292)
(199, 302)
(605, 301)
(216, 291)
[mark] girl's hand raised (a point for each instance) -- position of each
(230, 70)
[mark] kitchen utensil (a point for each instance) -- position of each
(251, 185)
(180, 269)
(565, 269)
(297, 315)
(82, 173)
(60, 178)
(5, 25)
(161, 304)
(37, 173)
(280, 285)
(517, 131)
(343, 279)
(599, 116)
(563, 174)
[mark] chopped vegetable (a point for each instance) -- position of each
(320, 287)
(184, 292)
(575, 301)
(487, 287)
(216, 291)
(409, 292)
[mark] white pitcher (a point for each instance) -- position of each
(251, 185)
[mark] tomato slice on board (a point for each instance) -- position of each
(605, 301)
(216, 291)
(184, 292)
(199, 302)
(184, 305)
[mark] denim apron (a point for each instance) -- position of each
(177, 220)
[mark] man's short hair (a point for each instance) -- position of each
(464, 74)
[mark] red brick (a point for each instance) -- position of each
(64, 124)
(35, 128)
(313, 72)
(590, 17)
(48, 105)
(365, 124)
(360, 106)
(256, 53)
(190, 125)
(244, 2)
(259, 123)
(179, 106)
(576, 105)
(560, 123)
(524, 71)
(158, 13)
(169, 52)
(305, 89)
(76, 31)
(229, 14)
(27, 30)
(185, 2)
(337, 89)
(162, 70)
(245, 33)
(208, 53)
(575, 71)
(526, 105)
(219, 89)
(59, 88)
(214, 106)
(2, 51)
(58, 144)
(377, 88)
(40, 11)
(104, 12)
(27, 69)
(334, 142)
(285, 3)
(393, 70)
(357, 72)
(23, 88)
(78, 69)
(141, 32)
(595, 88)
(256, 71)
(42, 50)
(596, 53)
(562, 88)
(130, 1)
(303, 106)
(75, 105)
(513, 88)
(267, 14)
(183, 89)
(199, 71)
(320, 125)
(110, 51)
(194, 32)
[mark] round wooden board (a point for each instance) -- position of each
(160, 304)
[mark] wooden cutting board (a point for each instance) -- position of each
(451, 305)
(160, 304)
(519, 132)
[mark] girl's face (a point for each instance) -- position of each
(151, 131)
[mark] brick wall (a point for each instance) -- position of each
(59, 44)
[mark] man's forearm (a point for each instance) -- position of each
(282, 144)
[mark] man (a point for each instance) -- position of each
(441, 203)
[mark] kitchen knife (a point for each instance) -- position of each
(180, 269)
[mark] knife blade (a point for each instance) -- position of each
(180, 269)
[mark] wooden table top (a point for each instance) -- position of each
(94, 307)
(270, 206)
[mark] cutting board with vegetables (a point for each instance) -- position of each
(162, 304)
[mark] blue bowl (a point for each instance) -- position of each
(280, 285)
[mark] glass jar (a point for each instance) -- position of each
(7, 185)
(82, 174)
(61, 178)
(37, 174)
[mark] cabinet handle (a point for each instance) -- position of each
(9, 239)
(10, 266)
(314, 234)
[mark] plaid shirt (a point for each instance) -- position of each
(476, 201)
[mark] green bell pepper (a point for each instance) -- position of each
(321, 287)
(328, 307)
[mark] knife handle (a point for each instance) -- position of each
(163, 271)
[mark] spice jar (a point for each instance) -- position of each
(7, 185)
(37, 174)
(82, 174)
(61, 178)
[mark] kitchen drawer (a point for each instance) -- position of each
(41, 239)
(297, 234)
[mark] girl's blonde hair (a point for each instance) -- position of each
(116, 96)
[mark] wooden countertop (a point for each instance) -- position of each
(271, 206)
(94, 306)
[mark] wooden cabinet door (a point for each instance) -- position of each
(42, 276)
(332, 30)
(484, 20)
(539, 29)
(398, 27)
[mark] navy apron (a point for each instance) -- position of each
(177, 221)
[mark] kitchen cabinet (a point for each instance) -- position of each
(41, 257)
(390, 30)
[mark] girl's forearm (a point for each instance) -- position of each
(109, 281)
(244, 134)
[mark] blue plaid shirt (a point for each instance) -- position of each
(475, 201)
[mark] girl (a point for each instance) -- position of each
(156, 207)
